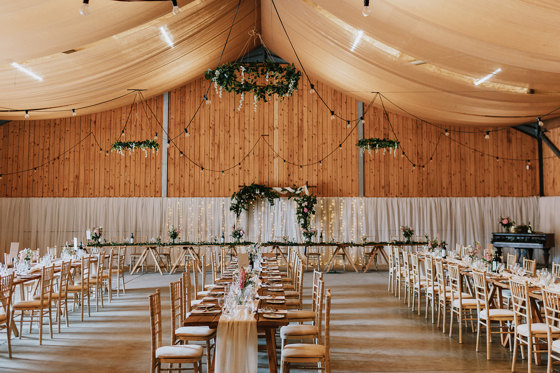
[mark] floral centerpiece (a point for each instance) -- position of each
(407, 233)
(433, 243)
(25, 255)
(237, 233)
(96, 234)
(173, 233)
(488, 254)
(507, 223)
(474, 249)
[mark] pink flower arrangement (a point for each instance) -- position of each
(506, 222)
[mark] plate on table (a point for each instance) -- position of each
(275, 289)
(273, 315)
(206, 306)
(276, 301)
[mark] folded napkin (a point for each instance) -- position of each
(271, 297)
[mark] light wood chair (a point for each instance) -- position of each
(460, 306)
(294, 298)
(398, 270)
(530, 266)
(43, 304)
(303, 354)
(444, 296)
(313, 252)
(97, 281)
(431, 286)
(419, 283)
(511, 260)
(6, 290)
(12, 255)
(184, 334)
(203, 291)
(487, 315)
(407, 276)
(306, 331)
(391, 280)
(189, 293)
(60, 298)
(52, 252)
(308, 315)
(527, 332)
(120, 269)
(81, 289)
(551, 302)
(182, 354)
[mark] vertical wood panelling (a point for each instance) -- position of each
(551, 165)
(299, 128)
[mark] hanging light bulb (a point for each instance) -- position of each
(84, 9)
(320, 163)
(122, 132)
(332, 115)
(541, 123)
(348, 124)
(366, 10)
(187, 132)
(201, 169)
(26, 114)
(155, 137)
(446, 132)
(487, 136)
(207, 100)
(168, 143)
(73, 112)
(312, 90)
(181, 153)
(176, 9)
(528, 167)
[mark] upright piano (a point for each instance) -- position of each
(524, 241)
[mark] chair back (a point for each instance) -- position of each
(121, 261)
(397, 258)
(317, 277)
(214, 265)
(455, 283)
(328, 324)
(511, 260)
(440, 276)
(203, 264)
(187, 287)
(155, 323)
(415, 268)
(480, 290)
(406, 264)
(299, 280)
(64, 278)
(551, 301)
(100, 267)
(52, 252)
(319, 309)
(530, 266)
(113, 255)
(177, 303)
(556, 269)
(13, 253)
(520, 300)
(429, 269)
(6, 290)
(85, 271)
(47, 282)
(391, 257)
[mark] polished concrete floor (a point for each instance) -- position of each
(372, 331)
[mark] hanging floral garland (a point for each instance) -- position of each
(304, 211)
(246, 78)
(248, 194)
(377, 143)
(131, 146)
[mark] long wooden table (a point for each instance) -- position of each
(268, 326)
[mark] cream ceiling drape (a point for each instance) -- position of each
(119, 46)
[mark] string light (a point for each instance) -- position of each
(155, 136)
(187, 132)
(84, 9)
(176, 9)
(201, 169)
(332, 115)
(540, 122)
(122, 132)
(340, 146)
(181, 153)
(348, 124)
(487, 136)
(26, 116)
(312, 90)
(207, 100)
(528, 167)
(366, 10)
(73, 112)
(168, 143)
(446, 132)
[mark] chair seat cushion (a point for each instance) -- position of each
(303, 350)
(202, 293)
(296, 315)
(465, 303)
(29, 304)
(177, 352)
(537, 328)
(556, 345)
(74, 288)
(297, 330)
(497, 314)
(194, 331)
(291, 294)
(2, 317)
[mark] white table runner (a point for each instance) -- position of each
(236, 344)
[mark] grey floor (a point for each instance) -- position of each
(372, 331)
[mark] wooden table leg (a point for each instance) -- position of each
(156, 257)
(350, 259)
(330, 263)
(271, 347)
(178, 260)
(365, 268)
(140, 261)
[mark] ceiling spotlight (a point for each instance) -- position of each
(176, 9)
(73, 112)
(487, 136)
(84, 9)
(540, 122)
(366, 10)
(26, 116)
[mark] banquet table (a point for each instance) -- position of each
(266, 325)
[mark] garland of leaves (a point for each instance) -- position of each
(131, 146)
(377, 143)
(305, 209)
(248, 194)
(243, 78)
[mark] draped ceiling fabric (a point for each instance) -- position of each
(42, 222)
(119, 46)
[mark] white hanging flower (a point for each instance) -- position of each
(255, 103)
(241, 101)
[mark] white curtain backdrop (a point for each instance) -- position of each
(42, 222)
(549, 222)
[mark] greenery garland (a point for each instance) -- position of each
(248, 194)
(120, 146)
(243, 78)
(377, 143)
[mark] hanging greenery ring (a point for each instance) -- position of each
(377, 143)
(248, 194)
(242, 78)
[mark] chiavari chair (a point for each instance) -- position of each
(398, 270)
(120, 270)
(487, 315)
(527, 332)
(81, 289)
(419, 283)
(391, 280)
(308, 315)
(431, 286)
(294, 298)
(97, 281)
(178, 354)
(407, 276)
(189, 293)
(551, 302)
(185, 334)
(530, 266)
(6, 290)
(556, 270)
(60, 298)
(295, 355)
(460, 306)
(43, 304)
(511, 260)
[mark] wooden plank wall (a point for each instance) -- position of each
(552, 166)
(298, 132)
(66, 153)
